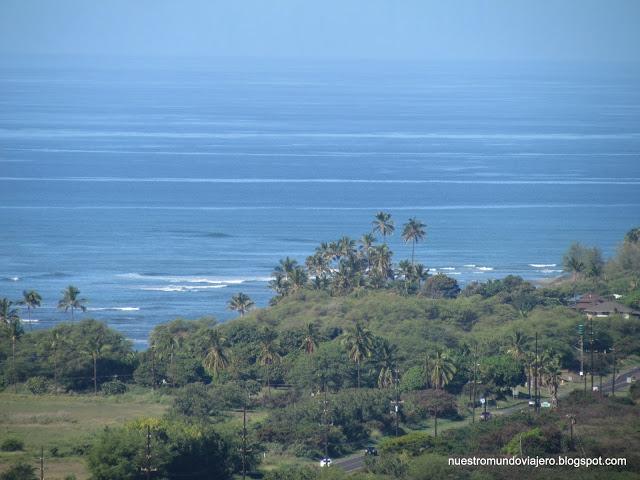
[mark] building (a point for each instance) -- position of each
(593, 305)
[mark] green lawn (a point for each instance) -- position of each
(62, 424)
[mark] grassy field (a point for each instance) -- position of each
(63, 424)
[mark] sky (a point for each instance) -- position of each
(477, 30)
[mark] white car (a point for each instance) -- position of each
(545, 405)
(325, 462)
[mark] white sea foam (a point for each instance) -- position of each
(470, 265)
(33, 320)
(547, 270)
(182, 288)
(485, 269)
(118, 309)
(447, 268)
(542, 265)
(194, 279)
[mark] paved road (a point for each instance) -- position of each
(356, 462)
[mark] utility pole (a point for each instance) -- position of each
(325, 421)
(153, 366)
(396, 403)
(147, 455)
(41, 463)
(244, 441)
(591, 352)
(613, 378)
(581, 336)
(475, 382)
(535, 390)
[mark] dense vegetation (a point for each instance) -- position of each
(347, 334)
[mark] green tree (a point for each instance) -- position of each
(241, 303)
(383, 225)
(310, 340)
(441, 286)
(13, 327)
(387, 359)
(440, 368)
(19, 471)
(70, 301)
(268, 354)
(359, 342)
(94, 345)
(414, 232)
(32, 300)
(216, 359)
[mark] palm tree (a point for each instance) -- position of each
(517, 345)
(552, 375)
(32, 300)
(383, 224)
(387, 359)
(56, 340)
(381, 261)
(240, 303)
(11, 323)
(366, 244)
(575, 266)
(442, 369)
(359, 342)
(70, 301)
(268, 354)
(94, 345)
(414, 232)
(216, 358)
(310, 340)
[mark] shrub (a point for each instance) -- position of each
(12, 445)
(19, 471)
(37, 385)
(114, 387)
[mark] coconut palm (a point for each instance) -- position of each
(32, 300)
(55, 343)
(268, 354)
(552, 376)
(387, 360)
(298, 279)
(94, 345)
(414, 232)
(517, 345)
(359, 343)
(216, 359)
(310, 340)
(421, 273)
(12, 325)
(441, 369)
(383, 224)
(575, 266)
(240, 303)
(381, 261)
(70, 301)
(366, 244)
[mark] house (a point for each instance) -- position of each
(594, 305)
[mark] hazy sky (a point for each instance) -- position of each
(340, 29)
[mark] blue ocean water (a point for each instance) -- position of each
(162, 189)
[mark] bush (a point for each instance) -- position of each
(37, 385)
(19, 471)
(114, 387)
(12, 445)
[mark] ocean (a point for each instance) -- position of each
(161, 189)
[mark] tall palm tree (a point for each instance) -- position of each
(414, 232)
(216, 359)
(32, 300)
(12, 325)
(94, 345)
(387, 360)
(70, 301)
(310, 340)
(421, 273)
(240, 303)
(383, 224)
(359, 343)
(441, 369)
(56, 341)
(381, 261)
(552, 376)
(517, 345)
(268, 354)
(366, 244)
